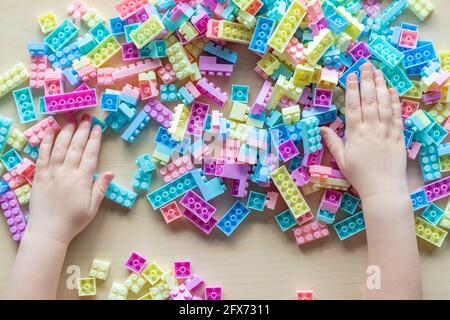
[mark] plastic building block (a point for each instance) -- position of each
(182, 269)
(13, 179)
(86, 287)
(109, 102)
(437, 190)
(92, 17)
(71, 101)
(322, 97)
(118, 292)
(305, 295)
(409, 38)
(117, 26)
(23, 194)
(331, 201)
(234, 32)
(176, 169)
(309, 232)
(136, 126)
(206, 227)
(135, 283)
(263, 31)
(142, 180)
(326, 216)
(321, 43)
(13, 215)
(179, 61)
(429, 232)
(5, 126)
(121, 195)
(311, 134)
(37, 49)
(12, 78)
(38, 66)
(147, 31)
(287, 26)
(360, 50)
(287, 150)
(421, 8)
(221, 52)
(168, 92)
(209, 66)
(99, 269)
(127, 8)
(160, 291)
(180, 293)
(213, 293)
(167, 73)
(239, 93)
(419, 56)
(350, 226)
(233, 218)
(285, 220)
(171, 212)
(136, 262)
(198, 206)
(429, 163)
(179, 123)
(212, 92)
(25, 105)
(104, 51)
(16, 140)
(384, 51)
(256, 201)
(349, 203)
(62, 35)
(36, 133)
(47, 22)
(433, 214)
(396, 78)
(152, 273)
(10, 159)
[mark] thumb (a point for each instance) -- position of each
(99, 188)
(335, 144)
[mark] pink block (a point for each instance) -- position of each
(38, 66)
(337, 125)
(331, 200)
(309, 232)
(305, 218)
(132, 20)
(143, 14)
(105, 76)
(261, 100)
(198, 206)
(158, 112)
(134, 69)
(130, 91)
(167, 74)
(176, 169)
(318, 25)
(36, 133)
(305, 295)
(13, 215)
(306, 96)
(314, 10)
(178, 11)
(314, 158)
(294, 51)
(206, 227)
(437, 190)
(180, 293)
(288, 150)
(447, 125)
(192, 90)
(239, 187)
(300, 176)
(209, 67)
(213, 293)
(431, 97)
(182, 269)
(13, 179)
(170, 212)
(71, 101)
(82, 87)
(197, 118)
(135, 262)
(26, 169)
(87, 73)
(200, 21)
(210, 91)
(126, 8)
(413, 150)
(148, 90)
(322, 97)
(129, 51)
(194, 282)
(286, 102)
(76, 10)
(409, 38)
(52, 87)
(271, 200)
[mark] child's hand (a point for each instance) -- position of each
(373, 158)
(64, 198)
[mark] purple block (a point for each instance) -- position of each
(208, 66)
(261, 100)
(197, 119)
(129, 51)
(182, 269)
(300, 176)
(200, 21)
(206, 227)
(72, 101)
(197, 205)
(135, 262)
(213, 293)
(13, 215)
(331, 200)
(239, 187)
(360, 50)
(158, 112)
(323, 97)
(437, 190)
(194, 282)
(288, 150)
(314, 158)
(232, 170)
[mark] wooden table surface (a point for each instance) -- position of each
(258, 260)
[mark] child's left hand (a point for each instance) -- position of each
(64, 198)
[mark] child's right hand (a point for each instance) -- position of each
(373, 157)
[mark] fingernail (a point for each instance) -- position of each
(85, 117)
(109, 176)
(352, 76)
(97, 129)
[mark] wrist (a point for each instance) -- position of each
(40, 239)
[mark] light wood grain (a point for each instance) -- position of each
(257, 261)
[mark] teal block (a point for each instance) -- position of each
(32, 152)
(239, 93)
(397, 79)
(168, 92)
(99, 32)
(384, 51)
(5, 126)
(256, 201)
(128, 29)
(25, 105)
(62, 35)
(429, 163)
(433, 214)
(310, 133)
(145, 163)
(121, 195)
(233, 218)
(142, 180)
(350, 226)
(349, 203)
(325, 216)
(11, 159)
(285, 220)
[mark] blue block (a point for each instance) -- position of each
(4, 187)
(99, 32)
(142, 180)
(221, 52)
(209, 189)
(163, 137)
(408, 137)
(444, 149)
(336, 23)
(263, 31)
(183, 146)
(409, 26)
(295, 132)
(168, 92)
(256, 201)
(136, 126)
(127, 111)
(233, 218)
(11, 159)
(285, 220)
(72, 77)
(311, 135)
(109, 102)
(436, 133)
(419, 199)
(391, 12)
(121, 195)
(349, 203)
(279, 134)
(419, 55)
(37, 49)
(350, 226)
(145, 163)
(117, 26)
(86, 43)
(355, 68)
(61, 36)
(324, 115)
(64, 58)
(172, 190)
(32, 152)
(5, 126)
(325, 216)
(433, 214)
(25, 105)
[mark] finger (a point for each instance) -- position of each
(397, 122)
(99, 188)
(353, 116)
(62, 143)
(78, 143)
(368, 94)
(89, 159)
(335, 144)
(383, 98)
(45, 150)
